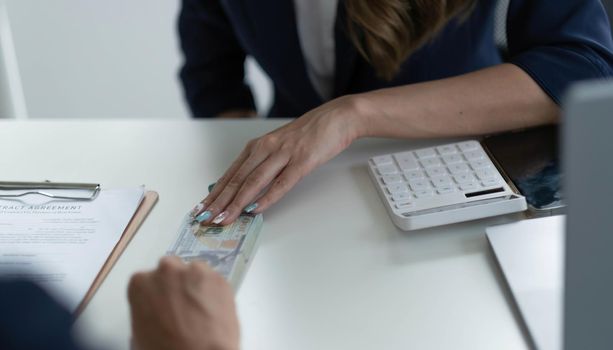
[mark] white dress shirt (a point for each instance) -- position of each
(315, 21)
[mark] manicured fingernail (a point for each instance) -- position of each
(197, 209)
(219, 218)
(211, 186)
(204, 216)
(251, 207)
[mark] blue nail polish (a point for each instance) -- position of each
(211, 186)
(251, 207)
(204, 216)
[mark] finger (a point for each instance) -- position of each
(229, 186)
(200, 212)
(219, 206)
(168, 264)
(244, 200)
(197, 272)
(200, 207)
(227, 176)
(200, 265)
(288, 178)
(203, 203)
(206, 281)
(136, 285)
(200, 272)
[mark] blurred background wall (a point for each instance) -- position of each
(95, 59)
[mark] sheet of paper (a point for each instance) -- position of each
(62, 245)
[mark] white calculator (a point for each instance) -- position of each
(442, 185)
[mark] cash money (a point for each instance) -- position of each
(228, 249)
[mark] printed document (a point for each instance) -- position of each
(62, 245)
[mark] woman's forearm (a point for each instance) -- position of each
(491, 100)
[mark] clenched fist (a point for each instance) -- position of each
(182, 306)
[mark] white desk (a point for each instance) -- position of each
(332, 272)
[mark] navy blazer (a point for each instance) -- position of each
(557, 42)
(31, 320)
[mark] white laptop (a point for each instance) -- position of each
(559, 269)
(531, 256)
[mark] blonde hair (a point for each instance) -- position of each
(386, 32)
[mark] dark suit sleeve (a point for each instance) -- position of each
(31, 320)
(560, 42)
(213, 71)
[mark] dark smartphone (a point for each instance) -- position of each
(530, 159)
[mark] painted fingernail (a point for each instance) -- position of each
(251, 207)
(197, 209)
(219, 218)
(204, 216)
(211, 186)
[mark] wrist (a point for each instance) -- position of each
(359, 108)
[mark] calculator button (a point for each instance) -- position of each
(453, 159)
(436, 171)
(423, 193)
(397, 188)
(468, 146)
(490, 182)
(431, 162)
(406, 161)
(408, 165)
(474, 155)
(485, 174)
(403, 205)
(414, 175)
(401, 197)
(441, 181)
(391, 179)
(464, 178)
(468, 186)
(381, 160)
(480, 164)
(445, 189)
(388, 169)
(449, 149)
(418, 185)
(459, 168)
(426, 153)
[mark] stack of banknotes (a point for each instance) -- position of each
(227, 249)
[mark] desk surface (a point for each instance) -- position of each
(331, 272)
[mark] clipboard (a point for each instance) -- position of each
(43, 188)
(145, 207)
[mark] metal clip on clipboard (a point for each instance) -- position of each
(42, 188)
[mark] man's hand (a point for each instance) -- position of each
(182, 306)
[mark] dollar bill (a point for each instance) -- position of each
(227, 249)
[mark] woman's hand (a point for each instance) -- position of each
(269, 166)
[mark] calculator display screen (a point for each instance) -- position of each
(530, 158)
